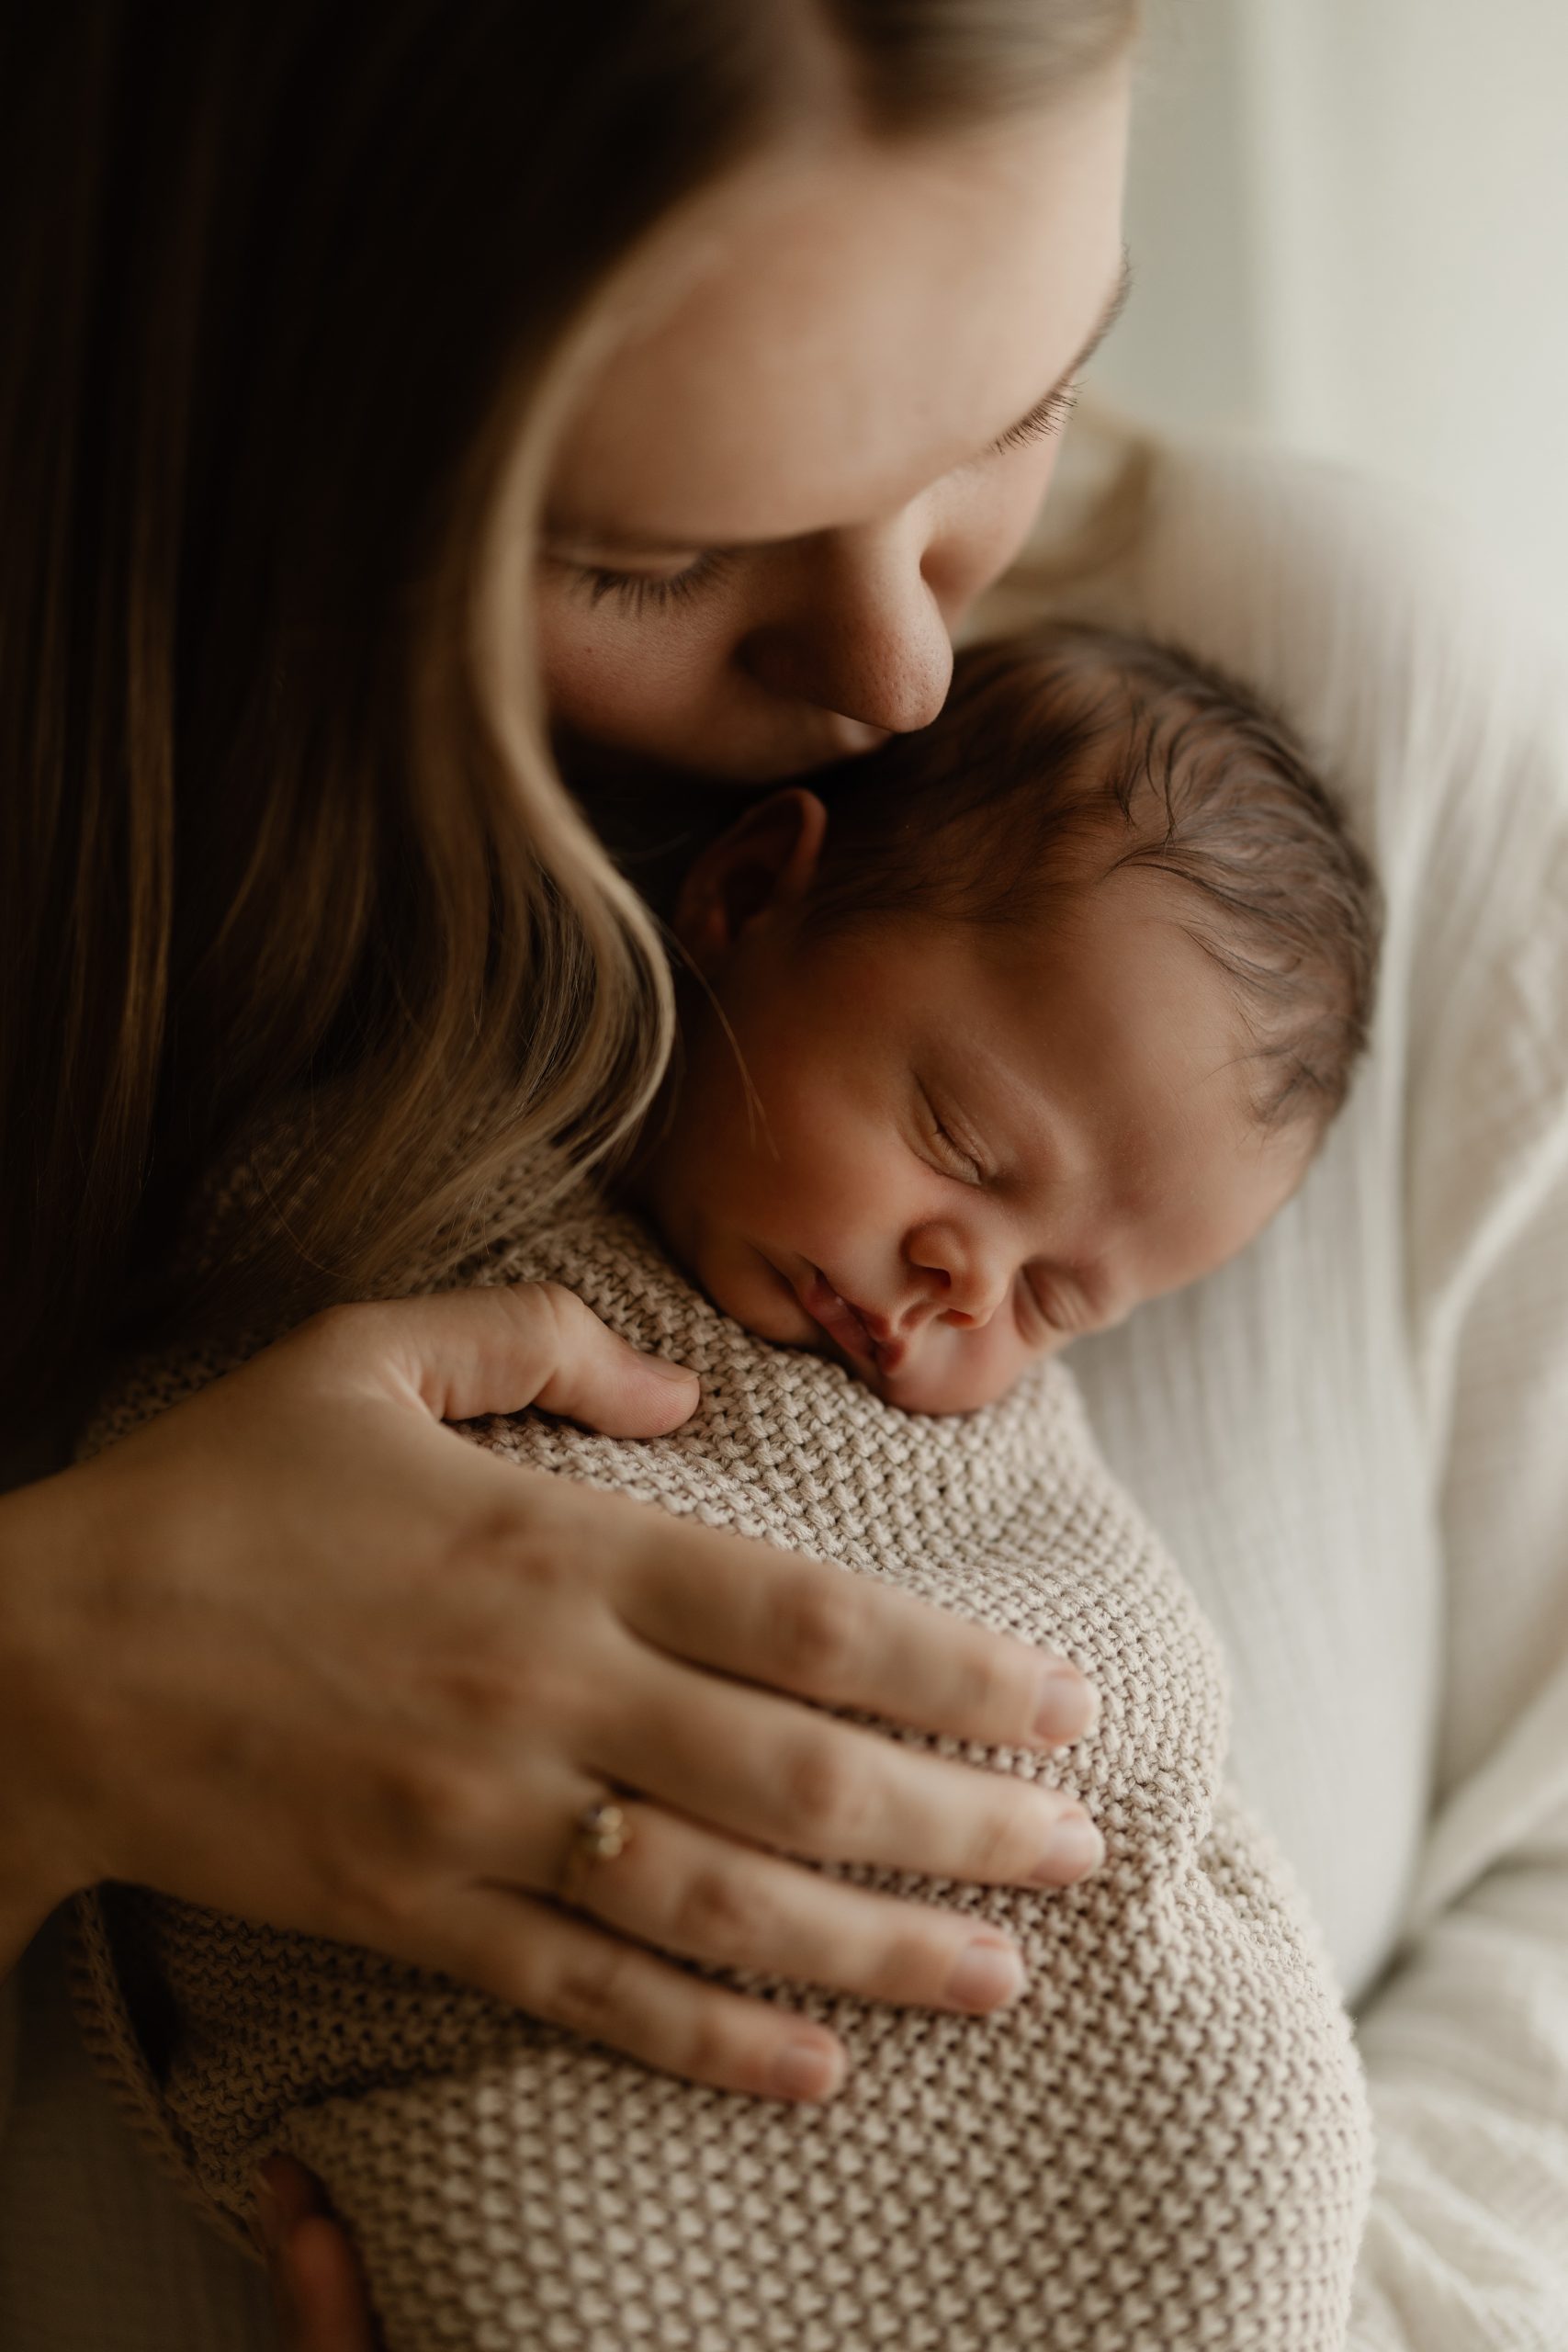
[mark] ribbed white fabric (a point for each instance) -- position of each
(1354, 1441)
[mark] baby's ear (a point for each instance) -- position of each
(763, 863)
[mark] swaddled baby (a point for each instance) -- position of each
(1035, 1015)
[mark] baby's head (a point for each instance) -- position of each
(1028, 1018)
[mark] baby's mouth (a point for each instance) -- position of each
(867, 1338)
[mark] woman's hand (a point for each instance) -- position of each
(297, 1651)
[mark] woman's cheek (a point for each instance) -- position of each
(595, 676)
(647, 683)
(985, 526)
(665, 686)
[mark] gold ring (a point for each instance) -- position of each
(602, 1832)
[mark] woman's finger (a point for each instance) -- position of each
(675, 1884)
(326, 2298)
(499, 1348)
(845, 1640)
(785, 1775)
(569, 1971)
(317, 2282)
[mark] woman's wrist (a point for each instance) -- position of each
(44, 1543)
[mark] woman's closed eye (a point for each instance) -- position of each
(1048, 416)
(639, 591)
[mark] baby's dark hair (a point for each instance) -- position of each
(1070, 741)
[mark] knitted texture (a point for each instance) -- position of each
(1164, 2143)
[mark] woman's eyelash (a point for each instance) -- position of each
(1049, 417)
(640, 591)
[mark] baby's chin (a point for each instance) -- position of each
(951, 1386)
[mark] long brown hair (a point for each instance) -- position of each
(289, 285)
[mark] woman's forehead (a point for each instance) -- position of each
(850, 327)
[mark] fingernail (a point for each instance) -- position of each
(1067, 1706)
(987, 1977)
(672, 1372)
(1074, 1849)
(806, 2070)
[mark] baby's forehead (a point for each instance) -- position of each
(1122, 987)
(1107, 954)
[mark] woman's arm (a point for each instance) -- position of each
(1466, 2042)
(299, 1652)
(1434, 708)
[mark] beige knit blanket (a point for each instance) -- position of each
(1164, 2143)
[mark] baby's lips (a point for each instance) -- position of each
(1066, 1707)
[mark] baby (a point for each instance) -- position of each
(1030, 1017)
(1027, 1019)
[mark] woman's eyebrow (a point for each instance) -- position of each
(1046, 408)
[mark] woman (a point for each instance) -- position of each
(701, 361)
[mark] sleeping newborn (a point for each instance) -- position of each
(1045, 1018)
(1044, 1014)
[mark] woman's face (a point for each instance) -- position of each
(780, 492)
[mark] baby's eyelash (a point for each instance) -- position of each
(960, 1160)
(1049, 417)
(638, 592)
(955, 1151)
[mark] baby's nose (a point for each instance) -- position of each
(979, 1304)
(970, 1294)
(965, 1284)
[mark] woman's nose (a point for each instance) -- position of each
(966, 1282)
(864, 636)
